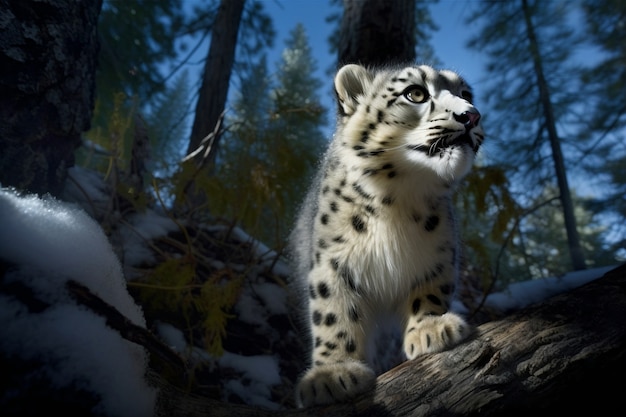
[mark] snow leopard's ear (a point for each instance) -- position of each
(351, 82)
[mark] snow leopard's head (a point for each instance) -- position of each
(415, 116)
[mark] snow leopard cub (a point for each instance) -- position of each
(375, 235)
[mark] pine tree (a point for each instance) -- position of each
(605, 119)
(532, 94)
(271, 147)
(167, 123)
(297, 121)
(137, 38)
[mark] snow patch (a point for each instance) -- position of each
(45, 243)
(135, 235)
(62, 241)
(521, 294)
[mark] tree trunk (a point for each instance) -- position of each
(573, 240)
(216, 78)
(377, 32)
(565, 355)
(48, 52)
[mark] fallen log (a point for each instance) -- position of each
(564, 356)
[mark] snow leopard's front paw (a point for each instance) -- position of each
(336, 382)
(434, 334)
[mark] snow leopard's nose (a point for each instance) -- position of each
(469, 119)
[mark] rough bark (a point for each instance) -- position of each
(48, 52)
(216, 78)
(567, 354)
(377, 32)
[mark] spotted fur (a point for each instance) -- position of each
(376, 233)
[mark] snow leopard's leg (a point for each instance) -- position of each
(338, 370)
(430, 327)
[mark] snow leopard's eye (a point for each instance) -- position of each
(416, 94)
(467, 95)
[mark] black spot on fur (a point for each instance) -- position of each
(434, 299)
(346, 274)
(318, 341)
(334, 207)
(370, 171)
(361, 191)
(391, 174)
(342, 335)
(388, 200)
(417, 218)
(339, 239)
(322, 244)
(334, 263)
(358, 224)
(431, 223)
(350, 346)
(312, 294)
(416, 305)
(353, 314)
(330, 319)
(427, 340)
(447, 331)
(324, 219)
(317, 318)
(323, 290)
